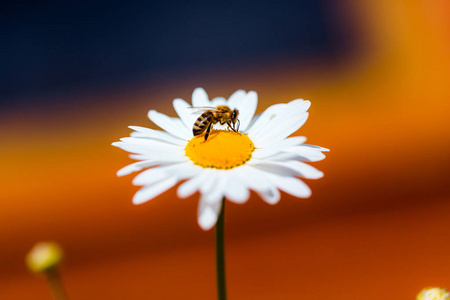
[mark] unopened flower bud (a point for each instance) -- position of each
(44, 256)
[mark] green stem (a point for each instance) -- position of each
(220, 255)
(55, 283)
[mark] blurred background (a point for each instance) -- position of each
(74, 75)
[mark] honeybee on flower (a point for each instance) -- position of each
(229, 164)
(211, 115)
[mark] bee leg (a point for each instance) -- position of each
(207, 131)
(231, 126)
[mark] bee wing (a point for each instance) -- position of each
(202, 109)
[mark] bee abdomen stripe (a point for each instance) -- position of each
(201, 123)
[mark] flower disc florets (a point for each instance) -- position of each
(223, 150)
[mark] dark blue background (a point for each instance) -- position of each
(49, 46)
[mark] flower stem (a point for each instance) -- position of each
(54, 280)
(220, 255)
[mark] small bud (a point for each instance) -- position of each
(433, 294)
(44, 256)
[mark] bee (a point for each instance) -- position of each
(212, 115)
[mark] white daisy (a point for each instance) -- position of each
(261, 158)
(433, 293)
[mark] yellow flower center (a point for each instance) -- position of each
(223, 149)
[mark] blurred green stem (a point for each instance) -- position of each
(54, 280)
(220, 255)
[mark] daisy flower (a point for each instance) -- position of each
(434, 293)
(261, 157)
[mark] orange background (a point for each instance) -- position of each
(376, 227)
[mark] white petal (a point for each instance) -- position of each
(200, 98)
(317, 147)
(236, 98)
(192, 185)
(260, 124)
(161, 158)
(278, 113)
(283, 156)
(173, 126)
(236, 191)
(271, 196)
(306, 153)
(251, 178)
(280, 131)
(179, 171)
(218, 101)
(252, 122)
(210, 181)
(142, 132)
(258, 181)
(150, 153)
(283, 124)
(294, 141)
(151, 176)
(217, 191)
(292, 186)
(185, 112)
(247, 108)
(134, 167)
(275, 148)
(287, 168)
(208, 213)
(149, 192)
(188, 170)
(153, 144)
